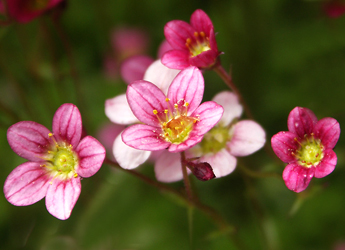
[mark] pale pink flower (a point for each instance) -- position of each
(220, 146)
(57, 162)
(307, 148)
(174, 121)
(119, 112)
(192, 44)
(126, 42)
(24, 11)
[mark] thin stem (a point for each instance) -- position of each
(185, 177)
(228, 81)
(223, 226)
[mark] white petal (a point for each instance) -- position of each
(222, 162)
(232, 107)
(160, 75)
(168, 167)
(248, 137)
(118, 110)
(128, 157)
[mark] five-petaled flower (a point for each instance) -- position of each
(193, 44)
(307, 147)
(57, 162)
(175, 121)
(24, 11)
(220, 147)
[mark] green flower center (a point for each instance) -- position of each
(310, 153)
(200, 44)
(176, 124)
(215, 140)
(62, 160)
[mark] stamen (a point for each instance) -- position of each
(51, 136)
(295, 139)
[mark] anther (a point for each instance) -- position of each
(155, 112)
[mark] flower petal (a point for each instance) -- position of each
(133, 68)
(128, 157)
(67, 125)
(26, 184)
(301, 121)
(204, 60)
(232, 108)
(176, 32)
(248, 137)
(283, 145)
(144, 137)
(107, 134)
(209, 114)
(118, 111)
(328, 131)
(160, 75)
(201, 22)
(62, 196)
(29, 140)
(222, 162)
(188, 85)
(296, 177)
(168, 167)
(91, 155)
(176, 59)
(327, 164)
(163, 48)
(143, 97)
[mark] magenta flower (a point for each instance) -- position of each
(334, 8)
(193, 44)
(175, 121)
(307, 148)
(57, 162)
(24, 11)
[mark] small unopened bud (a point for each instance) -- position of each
(202, 170)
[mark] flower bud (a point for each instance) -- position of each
(202, 170)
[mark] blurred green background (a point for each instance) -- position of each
(282, 54)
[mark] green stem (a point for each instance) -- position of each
(228, 81)
(186, 177)
(223, 226)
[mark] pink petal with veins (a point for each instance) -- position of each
(61, 197)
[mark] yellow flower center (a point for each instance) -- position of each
(176, 125)
(215, 139)
(198, 44)
(61, 160)
(310, 152)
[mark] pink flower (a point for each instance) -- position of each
(175, 121)
(119, 112)
(57, 162)
(127, 42)
(334, 8)
(193, 44)
(307, 148)
(134, 68)
(24, 11)
(220, 146)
